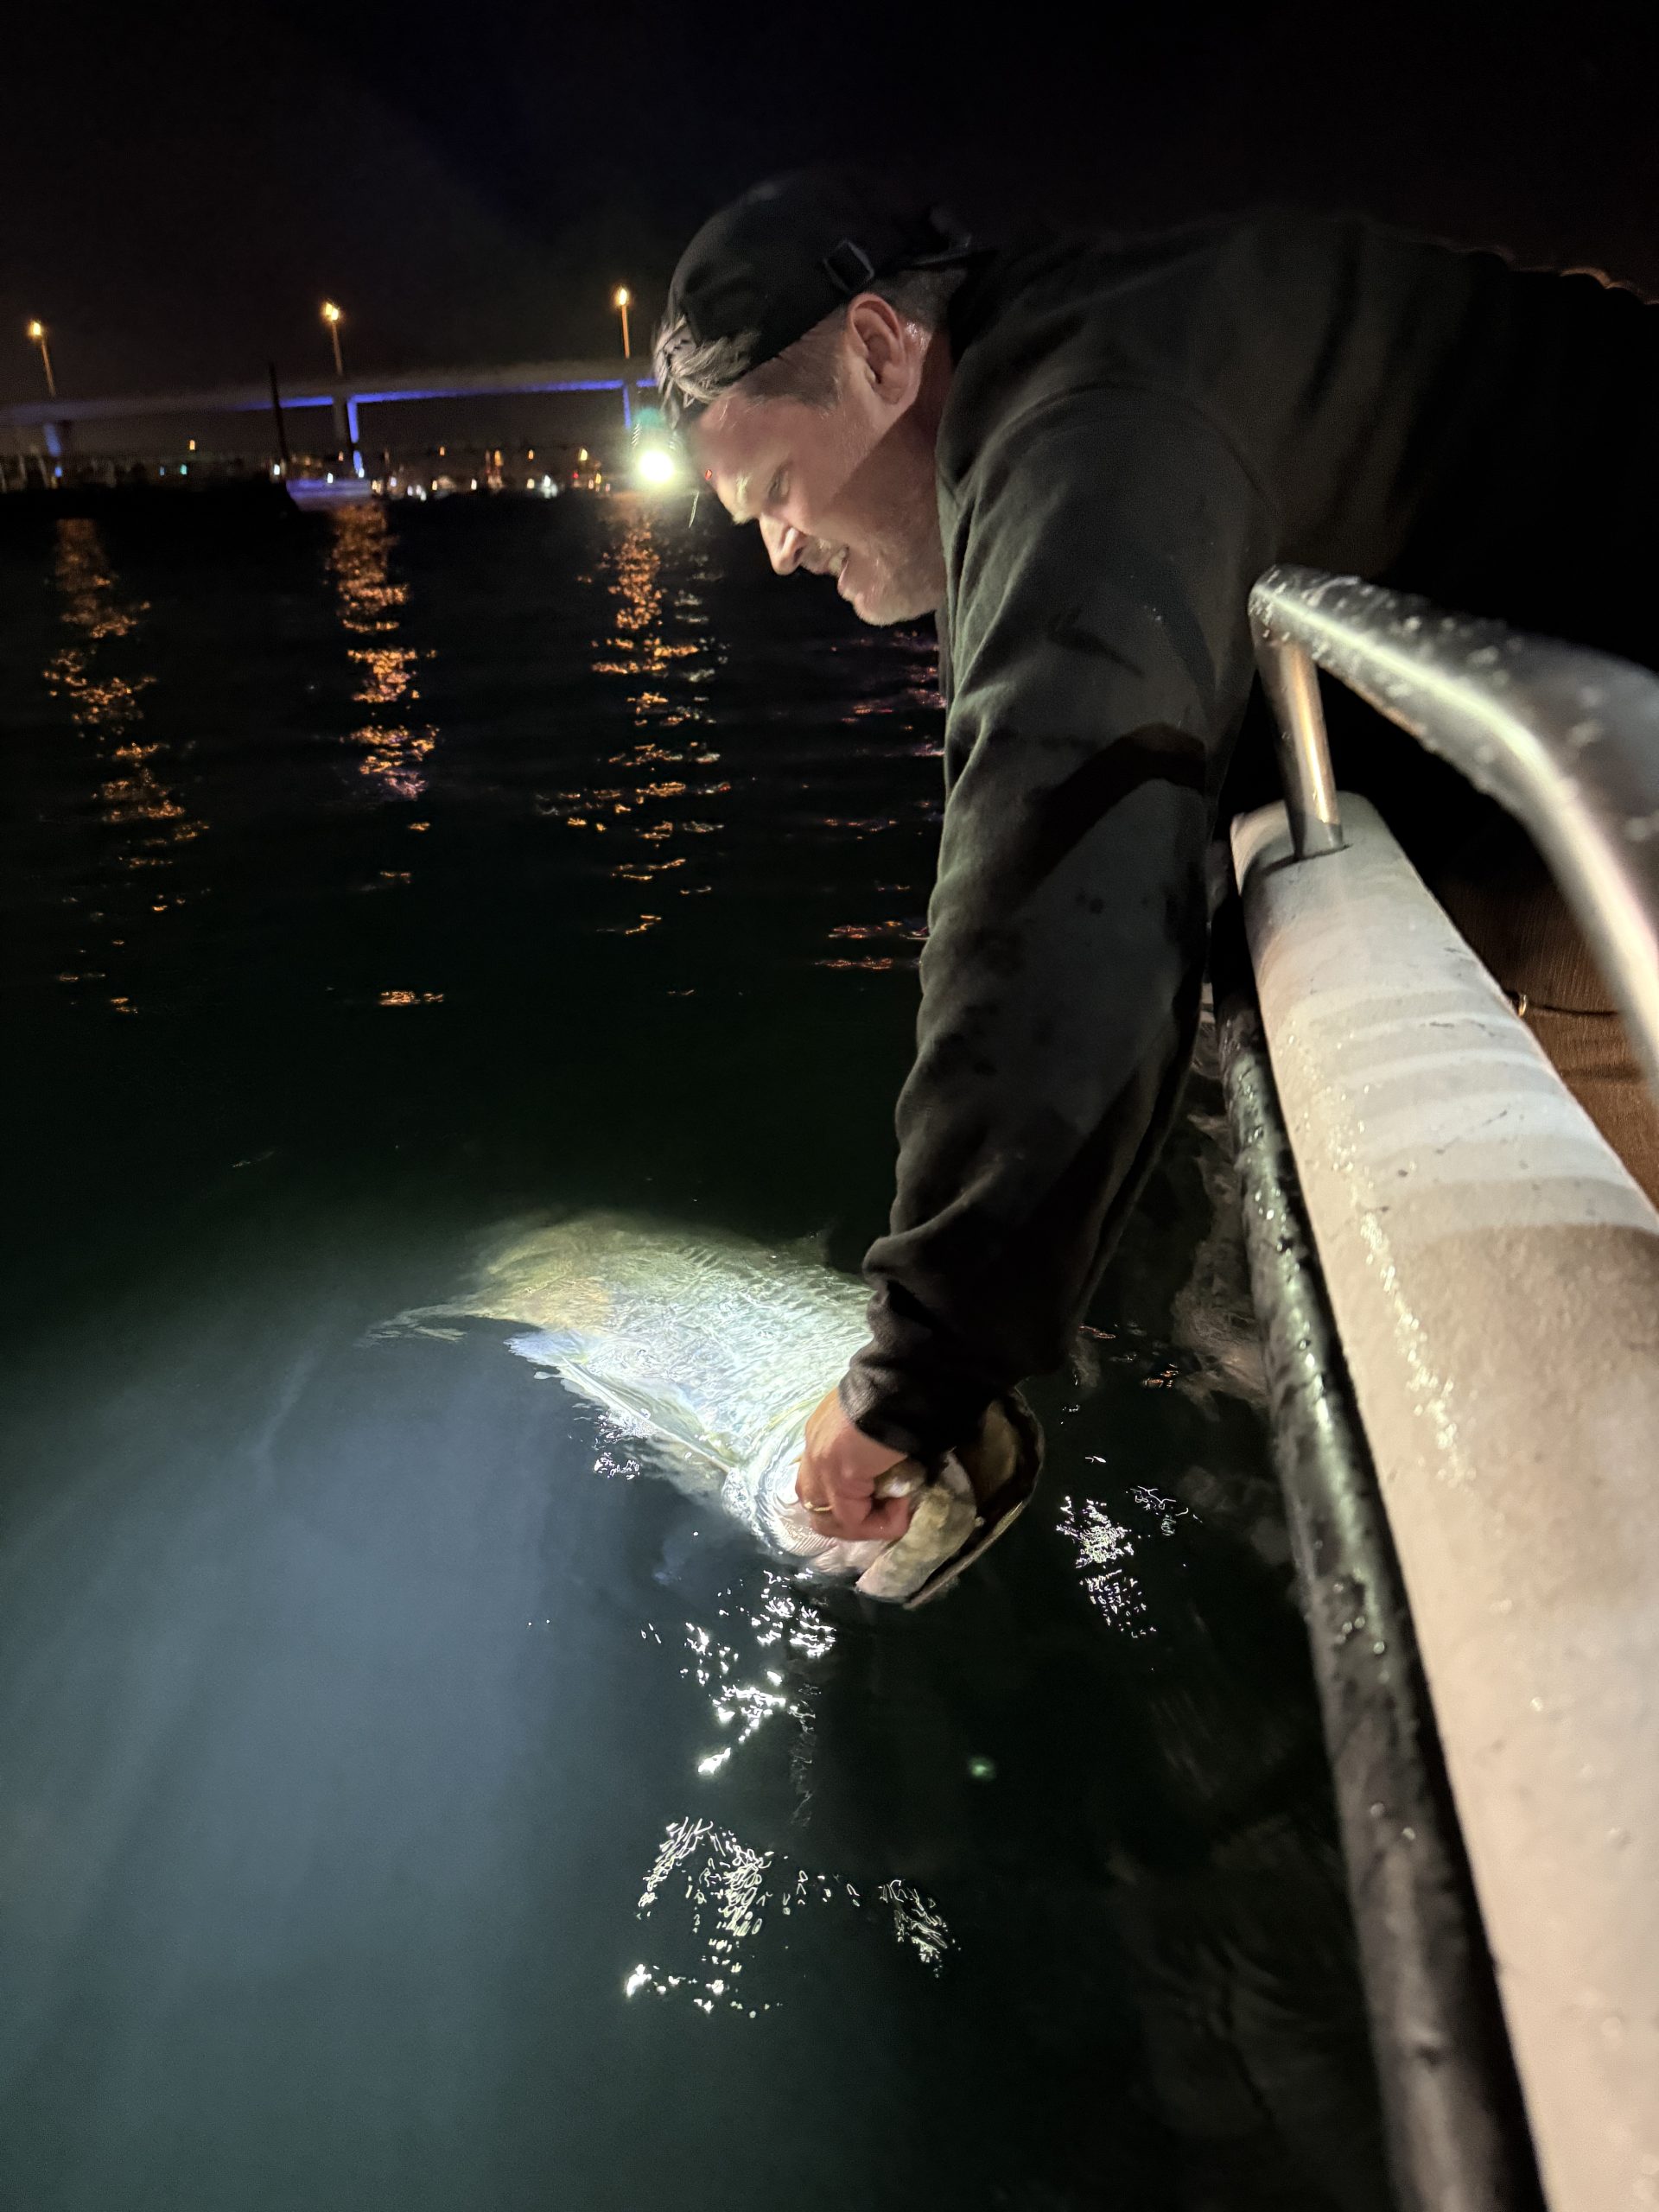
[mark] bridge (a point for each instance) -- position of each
(54, 420)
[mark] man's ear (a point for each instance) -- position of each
(877, 337)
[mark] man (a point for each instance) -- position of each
(1078, 454)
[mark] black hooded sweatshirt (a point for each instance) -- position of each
(1132, 434)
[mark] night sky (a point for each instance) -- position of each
(182, 186)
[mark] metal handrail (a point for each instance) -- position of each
(1565, 740)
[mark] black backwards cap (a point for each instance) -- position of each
(758, 275)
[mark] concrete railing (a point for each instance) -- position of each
(1492, 1276)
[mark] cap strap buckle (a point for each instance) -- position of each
(848, 268)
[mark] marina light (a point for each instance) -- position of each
(620, 300)
(655, 468)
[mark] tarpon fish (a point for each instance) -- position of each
(707, 1351)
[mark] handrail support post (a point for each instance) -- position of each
(1291, 684)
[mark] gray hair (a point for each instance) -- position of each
(808, 371)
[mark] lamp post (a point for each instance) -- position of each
(38, 335)
(333, 317)
(620, 300)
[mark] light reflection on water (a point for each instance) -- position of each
(94, 675)
(1105, 1546)
(370, 604)
(661, 649)
(728, 1891)
(652, 649)
(708, 1895)
(894, 931)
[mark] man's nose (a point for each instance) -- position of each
(785, 544)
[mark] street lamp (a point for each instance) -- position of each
(620, 303)
(37, 335)
(332, 316)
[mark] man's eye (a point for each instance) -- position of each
(778, 486)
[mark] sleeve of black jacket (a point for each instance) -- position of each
(1101, 549)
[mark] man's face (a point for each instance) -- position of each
(846, 491)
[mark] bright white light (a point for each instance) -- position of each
(655, 468)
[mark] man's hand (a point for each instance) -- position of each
(838, 1469)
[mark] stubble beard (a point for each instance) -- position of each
(909, 575)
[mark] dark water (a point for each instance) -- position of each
(365, 1836)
